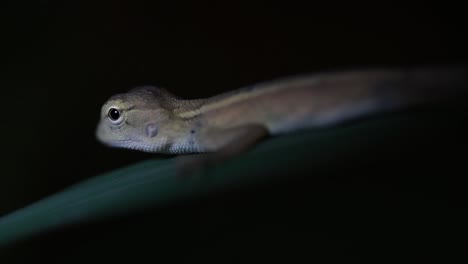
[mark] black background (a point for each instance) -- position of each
(61, 60)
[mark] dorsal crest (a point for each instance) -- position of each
(152, 91)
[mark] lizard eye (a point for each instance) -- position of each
(113, 114)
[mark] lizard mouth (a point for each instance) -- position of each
(127, 143)
(130, 144)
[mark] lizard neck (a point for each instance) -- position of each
(179, 134)
(187, 108)
(175, 136)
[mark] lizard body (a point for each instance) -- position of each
(151, 119)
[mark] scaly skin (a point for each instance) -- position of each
(151, 119)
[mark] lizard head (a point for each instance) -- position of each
(129, 119)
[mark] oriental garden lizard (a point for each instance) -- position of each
(151, 119)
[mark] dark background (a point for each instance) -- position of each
(61, 60)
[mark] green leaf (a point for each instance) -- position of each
(153, 183)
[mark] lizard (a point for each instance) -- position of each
(151, 119)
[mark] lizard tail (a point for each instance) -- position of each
(389, 90)
(425, 85)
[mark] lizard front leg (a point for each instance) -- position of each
(222, 144)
